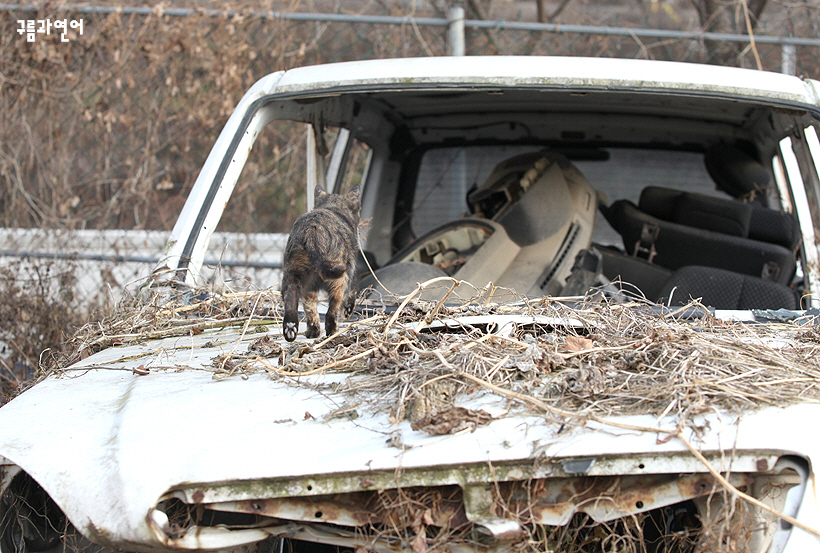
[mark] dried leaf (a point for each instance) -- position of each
(266, 346)
(428, 517)
(419, 543)
(586, 381)
(578, 343)
(452, 420)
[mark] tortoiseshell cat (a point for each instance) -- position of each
(321, 254)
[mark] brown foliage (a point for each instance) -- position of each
(38, 309)
(110, 129)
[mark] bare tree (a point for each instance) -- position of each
(733, 16)
(541, 9)
(481, 8)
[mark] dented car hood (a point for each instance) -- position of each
(112, 435)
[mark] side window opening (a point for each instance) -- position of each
(799, 157)
(348, 164)
(355, 166)
(270, 192)
(246, 250)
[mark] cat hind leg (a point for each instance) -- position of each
(311, 302)
(290, 323)
(337, 301)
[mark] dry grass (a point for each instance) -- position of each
(611, 359)
(38, 310)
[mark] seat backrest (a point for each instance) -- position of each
(647, 278)
(724, 215)
(724, 243)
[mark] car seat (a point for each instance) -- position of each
(676, 229)
(713, 287)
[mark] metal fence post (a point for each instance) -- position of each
(788, 59)
(455, 32)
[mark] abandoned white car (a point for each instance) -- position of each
(589, 326)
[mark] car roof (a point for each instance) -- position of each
(558, 72)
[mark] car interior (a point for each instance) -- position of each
(667, 209)
(674, 245)
(730, 253)
(549, 192)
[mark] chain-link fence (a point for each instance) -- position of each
(109, 129)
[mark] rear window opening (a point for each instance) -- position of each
(666, 228)
(627, 172)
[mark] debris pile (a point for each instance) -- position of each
(566, 359)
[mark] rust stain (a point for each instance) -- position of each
(550, 501)
(442, 508)
(542, 501)
(333, 509)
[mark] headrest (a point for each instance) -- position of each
(734, 171)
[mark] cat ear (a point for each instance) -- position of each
(354, 192)
(318, 192)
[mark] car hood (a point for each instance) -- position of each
(110, 437)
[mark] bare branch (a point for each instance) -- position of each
(557, 11)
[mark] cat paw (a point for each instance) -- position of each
(289, 330)
(312, 331)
